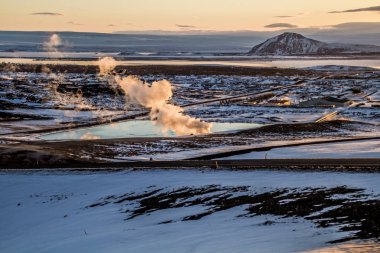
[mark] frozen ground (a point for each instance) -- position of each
(42, 102)
(58, 212)
(257, 114)
(33, 101)
(354, 149)
(185, 211)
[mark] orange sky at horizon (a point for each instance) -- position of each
(171, 15)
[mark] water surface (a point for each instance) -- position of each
(133, 129)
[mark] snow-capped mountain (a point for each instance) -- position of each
(297, 44)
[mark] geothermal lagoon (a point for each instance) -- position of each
(135, 129)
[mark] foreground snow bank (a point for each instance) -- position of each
(50, 212)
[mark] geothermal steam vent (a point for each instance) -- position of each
(155, 97)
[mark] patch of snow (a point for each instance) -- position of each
(355, 149)
(45, 212)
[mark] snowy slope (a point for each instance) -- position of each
(296, 44)
(50, 212)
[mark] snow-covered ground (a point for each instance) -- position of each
(354, 149)
(58, 212)
(73, 97)
(257, 114)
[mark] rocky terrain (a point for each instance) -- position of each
(297, 44)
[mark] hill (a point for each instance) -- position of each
(297, 44)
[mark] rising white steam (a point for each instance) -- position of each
(53, 44)
(155, 97)
(89, 136)
(106, 65)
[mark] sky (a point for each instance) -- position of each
(178, 15)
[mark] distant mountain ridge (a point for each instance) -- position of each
(297, 44)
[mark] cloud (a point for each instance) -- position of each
(289, 16)
(186, 26)
(284, 16)
(281, 25)
(73, 23)
(358, 25)
(355, 28)
(373, 8)
(47, 14)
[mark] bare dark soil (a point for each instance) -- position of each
(9, 116)
(160, 70)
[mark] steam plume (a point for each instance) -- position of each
(89, 136)
(155, 97)
(53, 43)
(106, 65)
